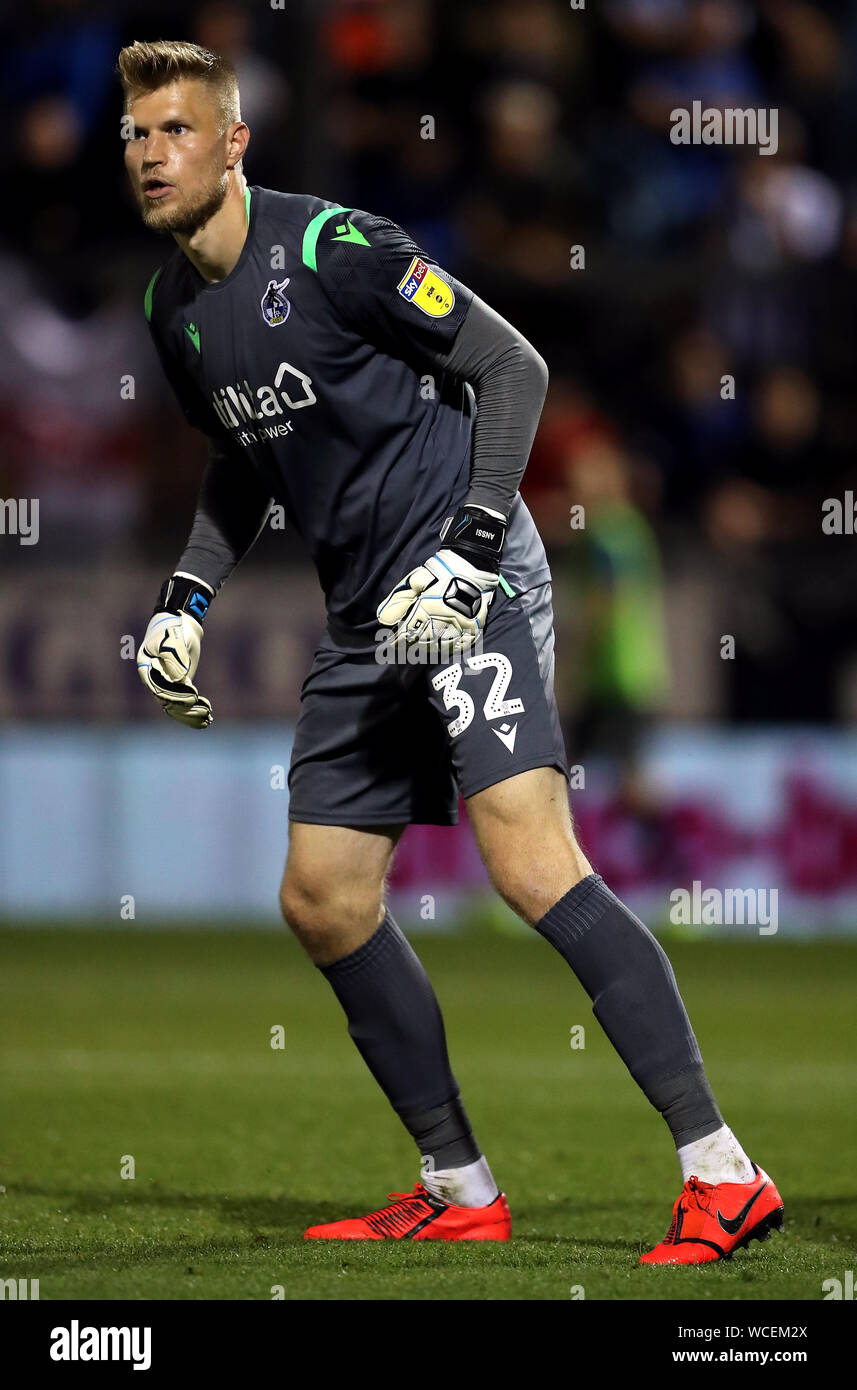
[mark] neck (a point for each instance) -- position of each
(214, 248)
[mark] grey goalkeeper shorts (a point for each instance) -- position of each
(390, 742)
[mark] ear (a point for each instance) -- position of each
(238, 135)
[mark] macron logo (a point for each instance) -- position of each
(507, 733)
(76, 1343)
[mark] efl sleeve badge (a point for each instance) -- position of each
(426, 289)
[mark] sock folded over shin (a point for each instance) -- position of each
(629, 979)
(395, 1020)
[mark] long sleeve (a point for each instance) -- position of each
(509, 380)
(232, 509)
(395, 293)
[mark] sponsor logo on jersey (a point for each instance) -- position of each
(242, 404)
(193, 333)
(423, 287)
(275, 306)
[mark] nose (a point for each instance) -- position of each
(152, 150)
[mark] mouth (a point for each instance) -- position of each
(156, 188)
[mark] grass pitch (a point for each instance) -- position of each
(157, 1046)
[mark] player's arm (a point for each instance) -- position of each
(231, 511)
(400, 298)
(450, 593)
(510, 380)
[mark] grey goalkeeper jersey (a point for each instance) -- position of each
(313, 369)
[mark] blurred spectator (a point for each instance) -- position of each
(614, 675)
(702, 353)
(225, 27)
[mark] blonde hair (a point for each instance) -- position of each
(144, 67)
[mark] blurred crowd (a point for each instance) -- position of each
(696, 304)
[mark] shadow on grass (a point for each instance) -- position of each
(266, 1223)
(273, 1222)
(283, 1210)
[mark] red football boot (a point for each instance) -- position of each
(419, 1216)
(712, 1222)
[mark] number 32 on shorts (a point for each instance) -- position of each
(496, 706)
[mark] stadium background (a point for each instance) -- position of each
(703, 514)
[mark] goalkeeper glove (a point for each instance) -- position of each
(446, 599)
(169, 654)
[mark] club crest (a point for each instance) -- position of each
(275, 306)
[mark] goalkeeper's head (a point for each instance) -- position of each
(184, 137)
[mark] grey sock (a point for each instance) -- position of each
(628, 976)
(395, 1020)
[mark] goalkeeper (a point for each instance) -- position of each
(338, 371)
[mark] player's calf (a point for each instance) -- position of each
(331, 897)
(524, 831)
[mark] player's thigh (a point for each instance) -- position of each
(368, 749)
(505, 739)
(496, 701)
(332, 890)
(524, 831)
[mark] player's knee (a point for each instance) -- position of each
(319, 911)
(305, 905)
(531, 885)
(523, 894)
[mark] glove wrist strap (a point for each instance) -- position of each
(182, 593)
(476, 535)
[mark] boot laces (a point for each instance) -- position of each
(397, 1198)
(692, 1193)
(399, 1219)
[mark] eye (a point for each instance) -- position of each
(177, 128)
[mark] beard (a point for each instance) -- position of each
(190, 214)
